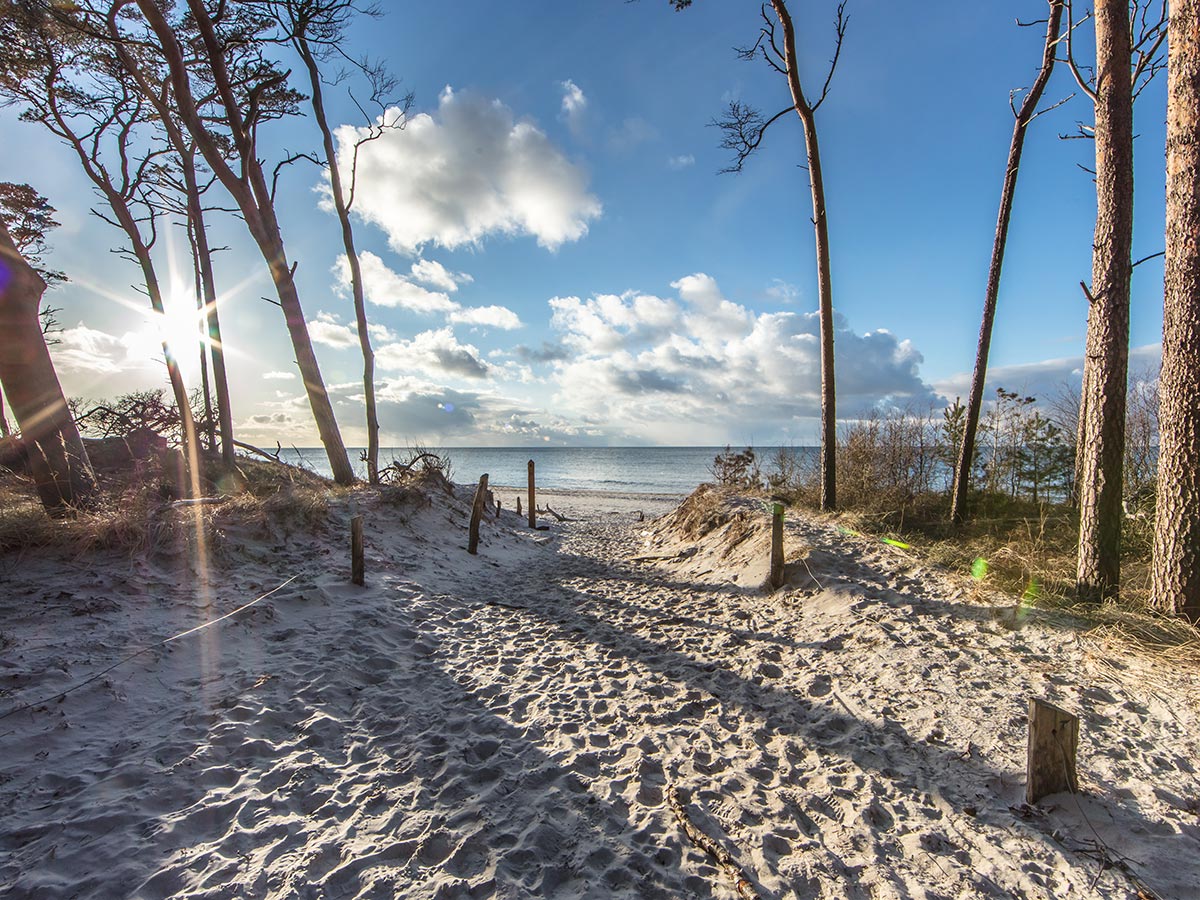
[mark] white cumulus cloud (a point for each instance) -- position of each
(495, 316)
(433, 273)
(383, 287)
(468, 170)
(574, 105)
(679, 368)
(326, 329)
(434, 353)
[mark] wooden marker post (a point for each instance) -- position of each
(477, 514)
(518, 507)
(1053, 740)
(776, 545)
(532, 507)
(357, 565)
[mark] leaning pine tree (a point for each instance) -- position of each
(1026, 114)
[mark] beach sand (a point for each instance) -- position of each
(516, 723)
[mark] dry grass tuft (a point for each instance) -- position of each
(703, 511)
(133, 511)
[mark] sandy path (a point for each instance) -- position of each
(506, 726)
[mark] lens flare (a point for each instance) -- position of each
(979, 568)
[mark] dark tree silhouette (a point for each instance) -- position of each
(57, 458)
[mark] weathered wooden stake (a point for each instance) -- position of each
(357, 565)
(498, 502)
(532, 507)
(1053, 739)
(776, 545)
(518, 507)
(477, 514)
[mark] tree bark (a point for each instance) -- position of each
(249, 190)
(962, 475)
(356, 283)
(824, 283)
(1099, 565)
(58, 459)
(1175, 576)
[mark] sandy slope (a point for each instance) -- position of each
(507, 725)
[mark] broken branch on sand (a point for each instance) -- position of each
(719, 854)
(560, 518)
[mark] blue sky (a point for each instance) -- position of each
(584, 275)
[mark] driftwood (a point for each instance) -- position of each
(719, 854)
(548, 510)
(274, 457)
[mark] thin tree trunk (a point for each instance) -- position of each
(1100, 512)
(824, 283)
(250, 192)
(356, 283)
(1175, 576)
(962, 475)
(210, 424)
(187, 425)
(4, 429)
(58, 459)
(212, 320)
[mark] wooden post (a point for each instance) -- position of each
(477, 514)
(1053, 739)
(776, 545)
(532, 507)
(518, 507)
(357, 565)
(498, 502)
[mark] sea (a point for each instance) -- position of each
(633, 470)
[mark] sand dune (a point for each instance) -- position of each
(509, 724)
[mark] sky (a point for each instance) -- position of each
(552, 255)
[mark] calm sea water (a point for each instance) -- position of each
(642, 470)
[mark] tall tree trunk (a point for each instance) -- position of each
(210, 425)
(824, 283)
(249, 190)
(1099, 565)
(962, 474)
(1175, 576)
(57, 457)
(212, 320)
(356, 283)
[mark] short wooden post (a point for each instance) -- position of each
(498, 502)
(518, 507)
(1053, 740)
(357, 565)
(776, 545)
(532, 507)
(477, 514)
